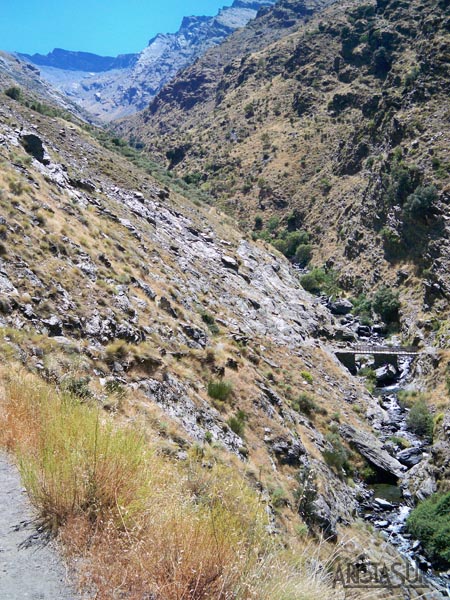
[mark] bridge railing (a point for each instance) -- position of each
(373, 349)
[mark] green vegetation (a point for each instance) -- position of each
(401, 181)
(400, 441)
(220, 390)
(420, 419)
(237, 422)
(307, 376)
(293, 244)
(139, 158)
(320, 281)
(362, 307)
(419, 203)
(303, 255)
(430, 523)
(44, 109)
(209, 320)
(305, 404)
(14, 93)
(370, 376)
(387, 304)
(338, 456)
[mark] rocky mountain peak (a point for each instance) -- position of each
(113, 87)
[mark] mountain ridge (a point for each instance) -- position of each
(113, 87)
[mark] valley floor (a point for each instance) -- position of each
(28, 569)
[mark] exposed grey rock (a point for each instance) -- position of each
(6, 287)
(288, 450)
(197, 417)
(165, 304)
(372, 449)
(363, 331)
(34, 146)
(383, 504)
(197, 335)
(410, 456)
(386, 374)
(230, 262)
(340, 306)
(146, 289)
(325, 518)
(53, 325)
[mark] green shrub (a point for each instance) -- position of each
(387, 304)
(381, 62)
(289, 242)
(420, 419)
(401, 181)
(362, 307)
(305, 404)
(258, 223)
(370, 376)
(237, 422)
(407, 398)
(14, 92)
(318, 281)
(338, 456)
(306, 376)
(220, 390)
(278, 497)
(368, 474)
(430, 523)
(419, 203)
(400, 441)
(273, 223)
(77, 386)
(303, 254)
(209, 320)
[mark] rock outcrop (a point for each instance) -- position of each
(372, 449)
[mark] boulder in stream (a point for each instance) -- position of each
(386, 374)
(372, 449)
(410, 456)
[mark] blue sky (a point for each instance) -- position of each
(106, 27)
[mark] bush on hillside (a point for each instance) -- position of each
(420, 419)
(337, 456)
(220, 390)
(14, 92)
(419, 203)
(430, 523)
(303, 255)
(320, 281)
(387, 304)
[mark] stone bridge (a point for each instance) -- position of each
(383, 355)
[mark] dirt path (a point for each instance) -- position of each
(32, 571)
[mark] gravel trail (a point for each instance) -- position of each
(29, 570)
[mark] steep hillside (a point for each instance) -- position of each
(14, 72)
(339, 129)
(164, 378)
(109, 88)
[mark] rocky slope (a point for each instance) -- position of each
(138, 297)
(14, 72)
(338, 128)
(109, 88)
(146, 302)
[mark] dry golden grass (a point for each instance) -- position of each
(142, 525)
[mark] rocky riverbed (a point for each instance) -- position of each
(388, 505)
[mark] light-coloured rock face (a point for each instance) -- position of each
(108, 92)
